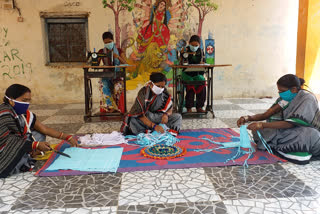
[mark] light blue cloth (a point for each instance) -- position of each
(98, 160)
(151, 139)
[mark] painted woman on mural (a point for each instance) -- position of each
(156, 28)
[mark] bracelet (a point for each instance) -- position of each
(35, 145)
(246, 118)
(60, 136)
(154, 126)
(69, 137)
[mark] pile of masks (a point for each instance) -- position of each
(153, 138)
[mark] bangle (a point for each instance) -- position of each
(154, 126)
(35, 145)
(69, 137)
(60, 136)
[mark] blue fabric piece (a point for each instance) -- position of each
(151, 139)
(244, 142)
(244, 137)
(265, 144)
(98, 160)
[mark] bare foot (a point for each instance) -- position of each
(200, 110)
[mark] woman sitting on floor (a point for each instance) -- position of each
(153, 106)
(293, 123)
(16, 141)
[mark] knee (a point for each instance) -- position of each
(176, 117)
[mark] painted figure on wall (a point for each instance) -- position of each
(152, 40)
(156, 28)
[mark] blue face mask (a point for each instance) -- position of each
(193, 48)
(109, 45)
(287, 95)
(19, 107)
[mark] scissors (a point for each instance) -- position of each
(60, 153)
(56, 151)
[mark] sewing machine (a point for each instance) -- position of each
(93, 57)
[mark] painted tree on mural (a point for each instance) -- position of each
(204, 7)
(118, 6)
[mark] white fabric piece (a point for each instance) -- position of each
(114, 138)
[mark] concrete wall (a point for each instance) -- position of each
(257, 37)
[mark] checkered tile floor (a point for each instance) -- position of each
(275, 188)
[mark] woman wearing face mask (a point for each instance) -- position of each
(21, 133)
(111, 99)
(292, 128)
(195, 56)
(153, 106)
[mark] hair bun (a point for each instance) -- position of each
(302, 81)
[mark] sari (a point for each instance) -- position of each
(303, 113)
(111, 88)
(15, 141)
(153, 107)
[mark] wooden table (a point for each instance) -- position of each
(101, 72)
(178, 88)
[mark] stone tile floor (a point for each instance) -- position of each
(273, 188)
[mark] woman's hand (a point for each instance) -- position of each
(44, 146)
(159, 129)
(73, 142)
(241, 121)
(164, 119)
(255, 126)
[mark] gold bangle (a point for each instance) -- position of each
(260, 126)
(60, 136)
(246, 118)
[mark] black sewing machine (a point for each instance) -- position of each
(93, 57)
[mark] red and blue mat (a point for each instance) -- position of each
(190, 139)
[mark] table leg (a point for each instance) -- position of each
(208, 89)
(211, 71)
(174, 81)
(125, 90)
(86, 92)
(90, 97)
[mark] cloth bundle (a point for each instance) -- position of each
(103, 139)
(153, 138)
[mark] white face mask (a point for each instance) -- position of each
(157, 90)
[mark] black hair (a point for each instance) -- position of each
(107, 35)
(290, 81)
(14, 91)
(158, 77)
(195, 38)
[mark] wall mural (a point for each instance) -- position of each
(151, 32)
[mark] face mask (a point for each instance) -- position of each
(194, 48)
(287, 95)
(157, 90)
(109, 45)
(19, 107)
